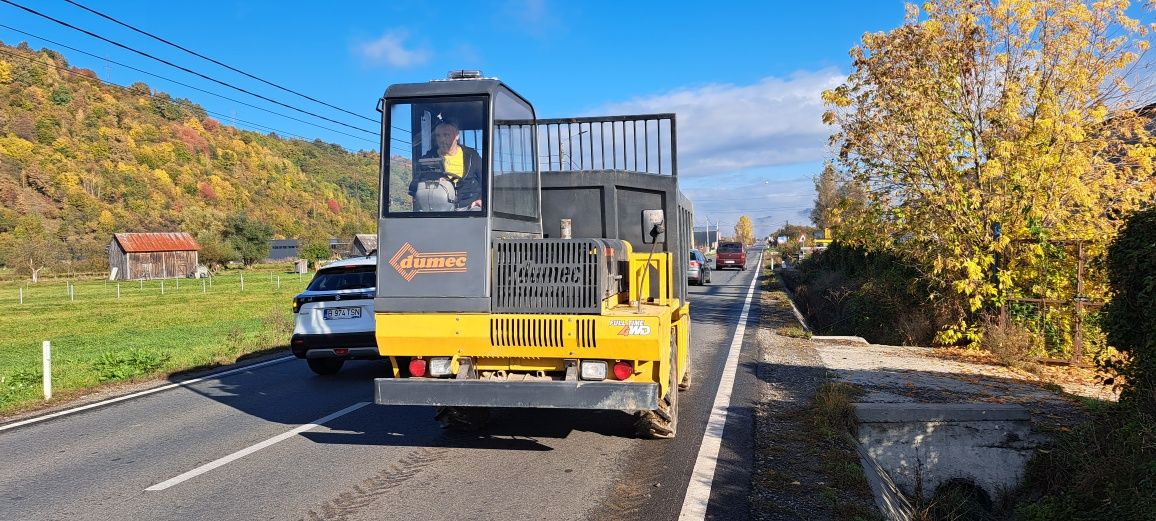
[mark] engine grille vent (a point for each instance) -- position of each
(526, 332)
(556, 275)
(586, 336)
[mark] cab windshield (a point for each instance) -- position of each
(437, 163)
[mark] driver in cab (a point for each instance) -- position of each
(449, 176)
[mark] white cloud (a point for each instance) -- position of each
(391, 50)
(726, 128)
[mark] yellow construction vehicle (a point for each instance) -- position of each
(526, 262)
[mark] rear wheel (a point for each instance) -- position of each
(662, 423)
(325, 366)
(463, 419)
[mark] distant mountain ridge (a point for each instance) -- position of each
(81, 160)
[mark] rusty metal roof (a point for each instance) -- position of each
(150, 242)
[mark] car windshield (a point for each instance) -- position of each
(730, 248)
(351, 277)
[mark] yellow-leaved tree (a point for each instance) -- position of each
(1016, 115)
(744, 230)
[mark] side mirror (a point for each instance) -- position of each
(653, 226)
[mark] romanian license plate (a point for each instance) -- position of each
(342, 313)
(728, 262)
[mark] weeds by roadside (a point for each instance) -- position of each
(793, 332)
(806, 466)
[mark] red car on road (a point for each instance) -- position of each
(730, 255)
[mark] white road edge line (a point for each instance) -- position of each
(182, 383)
(254, 448)
(698, 490)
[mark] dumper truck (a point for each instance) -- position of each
(526, 262)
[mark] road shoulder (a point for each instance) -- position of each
(796, 469)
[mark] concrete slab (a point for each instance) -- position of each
(921, 446)
(938, 412)
(835, 339)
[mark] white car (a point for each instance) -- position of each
(334, 316)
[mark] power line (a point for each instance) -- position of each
(185, 84)
(199, 55)
(190, 71)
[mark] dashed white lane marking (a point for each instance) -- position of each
(698, 491)
(254, 448)
(182, 383)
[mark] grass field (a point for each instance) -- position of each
(99, 337)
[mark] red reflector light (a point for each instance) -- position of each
(417, 367)
(623, 370)
(341, 351)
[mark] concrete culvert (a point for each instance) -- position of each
(959, 500)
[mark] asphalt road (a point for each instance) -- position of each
(131, 460)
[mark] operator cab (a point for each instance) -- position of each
(459, 169)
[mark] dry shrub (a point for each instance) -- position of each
(1011, 343)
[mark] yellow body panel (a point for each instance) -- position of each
(539, 342)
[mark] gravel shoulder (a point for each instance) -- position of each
(796, 473)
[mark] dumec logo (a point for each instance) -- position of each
(409, 262)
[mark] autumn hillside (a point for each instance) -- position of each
(81, 160)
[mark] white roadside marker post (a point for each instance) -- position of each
(47, 359)
(118, 291)
(22, 295)
(162, 286)
(242, 282)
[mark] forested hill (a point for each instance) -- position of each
(81, 159)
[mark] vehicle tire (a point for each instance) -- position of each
(707, 278)
(463, 419)
(325, 366)
(686, 379)
(662, 423)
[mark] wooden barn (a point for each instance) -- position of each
(363, 244)
(133, 256)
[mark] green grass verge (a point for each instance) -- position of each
(99, 338)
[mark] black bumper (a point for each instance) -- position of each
(360, 345)
(538, 394)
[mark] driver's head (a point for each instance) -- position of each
(446, 136)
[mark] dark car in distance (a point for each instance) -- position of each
(730, 255)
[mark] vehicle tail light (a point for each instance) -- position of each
(417, 367)
(592, 370)
(341, 351)
(623, 370)
(296, 305)
(440, 366)
(694, 264)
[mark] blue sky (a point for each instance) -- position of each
(744, 79)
